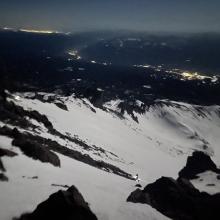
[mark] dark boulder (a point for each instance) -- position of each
(65, 205)
(36, 151)
(199, 162)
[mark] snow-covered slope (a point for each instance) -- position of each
(157, 145)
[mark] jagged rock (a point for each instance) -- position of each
(4, 130)
(49, 145)
(16, 115)
(8, 153)
(36, 151)
(138, 185)
(178, 200)
(13, 133)
(65, 205)
(39, 117)
(138, 196)
(199, 162)
(3, 178)
(61, 105)
(5, 152)
(2, 168)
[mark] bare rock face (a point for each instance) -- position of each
(199, 162)
(61, 105)
(179, 199)
(8, 153)
(65, 205)
(36, 151)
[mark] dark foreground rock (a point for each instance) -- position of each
(179, 199)
(199, 162)
(36, 151)
(65, 205)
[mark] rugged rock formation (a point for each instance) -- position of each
(179, 199)
(36, 151)
(8, 153)
(43, 147)
(16, 115)
(63, 205)
(199, 162)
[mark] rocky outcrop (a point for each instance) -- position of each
(36, 151)
(61, 105)
(179, 199)
(17, 115)
(5, 152)
(43, 148)
(2, 168)
(64, 205)
(8, 153)
(199, 162)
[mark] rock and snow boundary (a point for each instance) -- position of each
(157, 145)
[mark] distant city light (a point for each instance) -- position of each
(39, 31)
(74, 53)
(192, 76)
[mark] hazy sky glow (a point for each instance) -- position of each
(149, 15)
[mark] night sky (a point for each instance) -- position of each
(145, 15)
